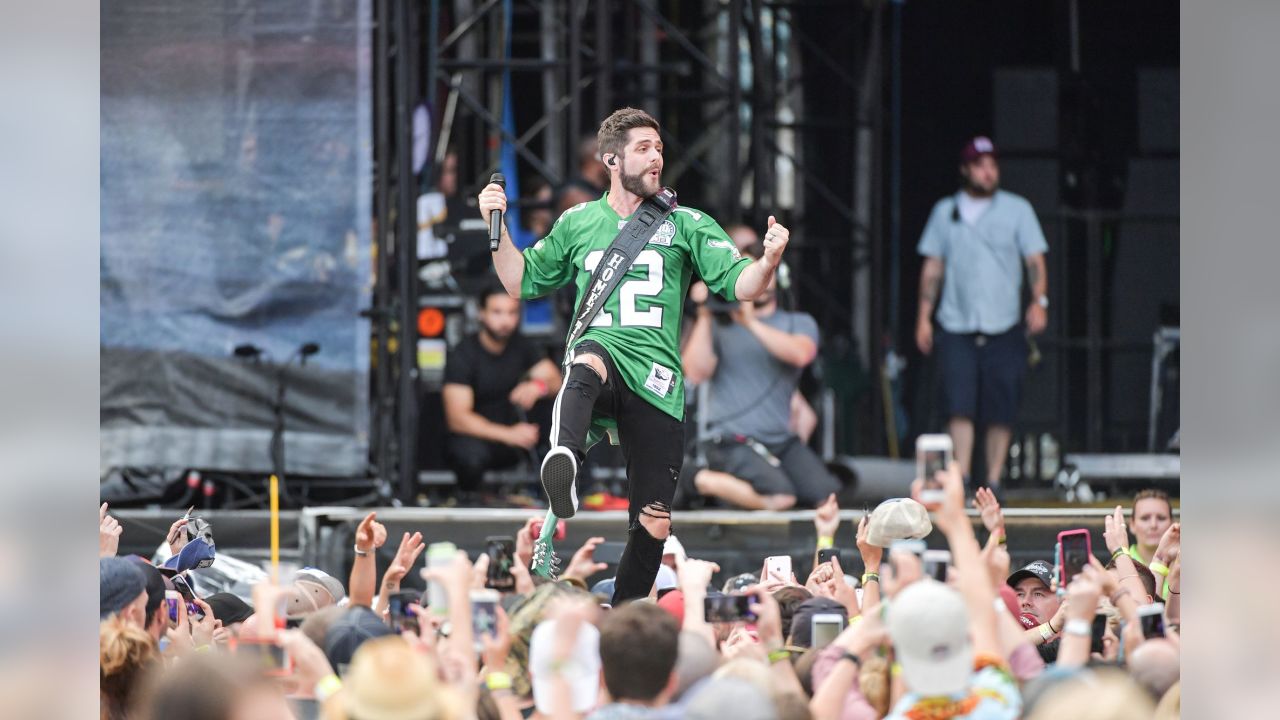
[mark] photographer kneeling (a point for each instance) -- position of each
(752, 354)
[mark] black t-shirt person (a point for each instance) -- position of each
(491, 378)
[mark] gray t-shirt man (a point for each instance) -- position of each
(751, 389)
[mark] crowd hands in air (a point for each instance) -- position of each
(983, 642)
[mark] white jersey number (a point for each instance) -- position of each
(631, 289)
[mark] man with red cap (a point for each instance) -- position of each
(979, 240)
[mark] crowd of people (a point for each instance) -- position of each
(904, 638)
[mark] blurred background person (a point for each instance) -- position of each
(975, 245)
(492, 381)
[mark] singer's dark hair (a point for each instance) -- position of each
(612, 136)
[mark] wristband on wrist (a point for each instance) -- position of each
(1159, 568)
(825, 543)
(497, 681)
(1076, 626)
(1003, 539)
(1117, 553)
(328, 686)
(359, 552)
(870, 577)
(1045, 633)
(857, 661)
(779, 655)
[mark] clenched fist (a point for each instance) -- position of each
(491, 198)
(775, 241)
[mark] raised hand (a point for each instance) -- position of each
(583, 564)
(1170, 545)
(826, 519)
(775, 241)
(411, 547)
(371, 534)
(1114, 531)
(992, 516)
(177, 537)
(695, 575)
(109, 531)
(872, 555)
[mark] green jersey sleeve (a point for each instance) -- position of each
(547, 263)
(717, 259)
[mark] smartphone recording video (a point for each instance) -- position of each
(501, 552)
(933, 455)
(403, 616)
(1152, 619)
(825, 627)
(728, 608)
(1074, 548)
(935, 564)
(484, 615)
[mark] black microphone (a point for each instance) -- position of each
(495, 216)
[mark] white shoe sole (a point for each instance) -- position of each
(559, 475)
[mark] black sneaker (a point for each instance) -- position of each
(559, 476)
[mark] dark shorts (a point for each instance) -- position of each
(982, 374)
(799, 472)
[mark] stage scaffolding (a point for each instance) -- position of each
(755, 98)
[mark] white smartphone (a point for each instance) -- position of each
(778, 567)
(933, 454)
(935, 564)
(825, 627)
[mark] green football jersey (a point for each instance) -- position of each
(640, 322)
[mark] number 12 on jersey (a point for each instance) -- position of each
(629, 290)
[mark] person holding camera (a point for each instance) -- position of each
(753, 353)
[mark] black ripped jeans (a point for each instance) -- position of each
(652, 445)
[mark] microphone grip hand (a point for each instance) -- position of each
(495, 212)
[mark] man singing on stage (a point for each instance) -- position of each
(623, 375)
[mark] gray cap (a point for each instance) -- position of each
(120, 582)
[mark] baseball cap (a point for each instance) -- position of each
(976, 148)
(1039, 569)
(930, 630)
(604, 589)
(673, 602)
(229, 608)
(897, 519)
(666, 579)
(349, 632)
(312, 590)
(738, 583)
(120, 582)
(581, 669)
(155, 583)
(196, 554)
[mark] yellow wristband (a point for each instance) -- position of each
(870, 577)
(825, 543)
(855, 619)
(1159, 568)
(779, 655)
(497, 681)
(895, 670)
(328, 686)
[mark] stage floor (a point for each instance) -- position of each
(739, 541)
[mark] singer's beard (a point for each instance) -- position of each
(636, 184)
